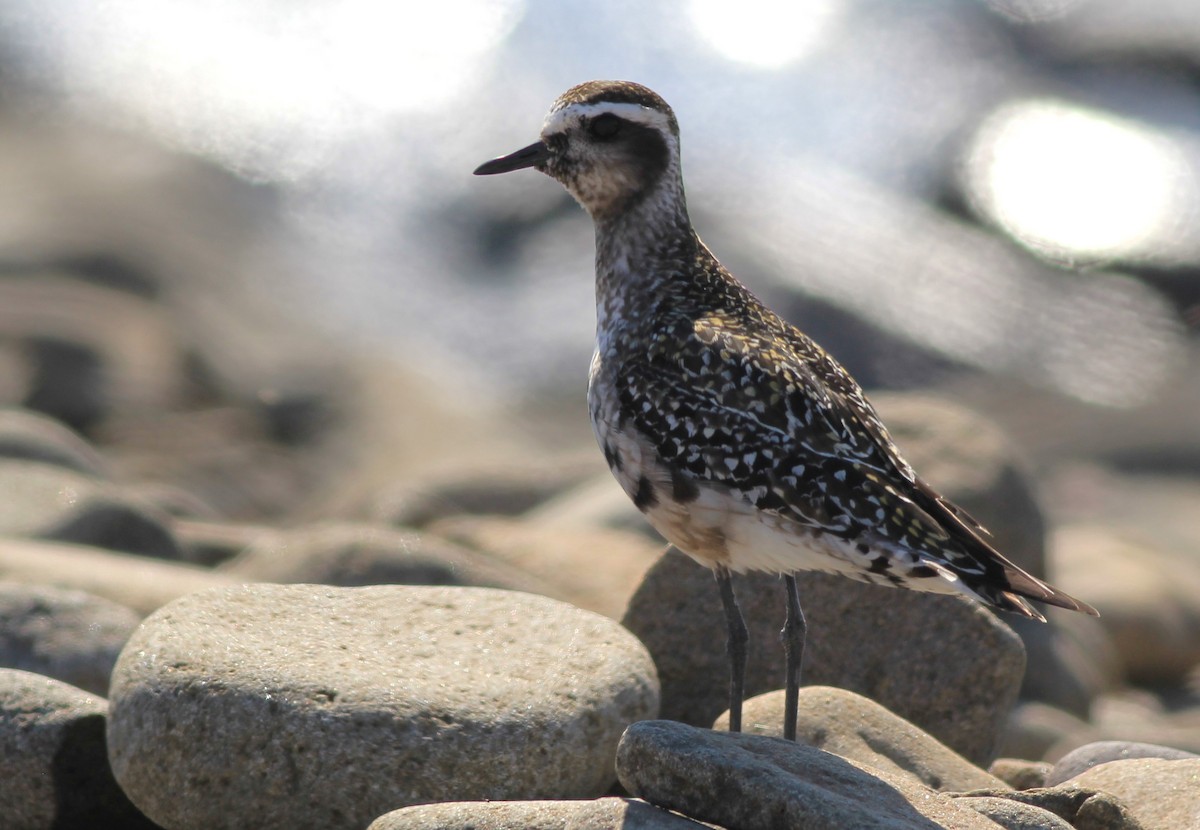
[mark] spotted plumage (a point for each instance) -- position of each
(742, 441)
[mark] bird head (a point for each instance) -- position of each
(611, 144)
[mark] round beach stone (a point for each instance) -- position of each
(484, 488)
(352, 554)
(137, 582)
(601, 814)
(1161, 794)
(752, 781)
(48, 502)
(31, 436)
(1020, 774)
(1083, 758)
(1013, 815)
(68, 635)
(53, 768)
(296, 706)
(1148, 593)
(860, 730)
(561, 559)
(942, 663)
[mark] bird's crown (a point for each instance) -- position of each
(621, 99)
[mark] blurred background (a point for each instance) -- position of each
(230, 230)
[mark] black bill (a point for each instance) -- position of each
(530, 156)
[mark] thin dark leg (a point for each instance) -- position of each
(735, 646)
(793, 633)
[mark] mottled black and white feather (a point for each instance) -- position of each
(743, 442)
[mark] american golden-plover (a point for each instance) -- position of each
(741, 440)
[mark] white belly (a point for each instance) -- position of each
(719, 526)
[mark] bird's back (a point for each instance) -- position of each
(748, 446)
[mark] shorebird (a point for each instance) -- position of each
(741, 440)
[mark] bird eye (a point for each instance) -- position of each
(605, 125)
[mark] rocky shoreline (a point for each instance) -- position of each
(215, 613)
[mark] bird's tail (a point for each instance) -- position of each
(1002, 583)
(1023, 586)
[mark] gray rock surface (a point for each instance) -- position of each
(68, 635)
(1013, 815)
(1035, 731)
(32, 436)
(597, 502)
(1082, 808)
(860, 730)
(137, 582)
(940, 662)
(1148, 595)
(48, 502)
(601, 814)
(1020, 774)
(313, 706)
(1070, 660)
(1087, 756)
(209, 541)
(594, 568)
(92, 350)
(54, 773)
(353, 554)
(753, 782)
(506, 489)
(1160, 794)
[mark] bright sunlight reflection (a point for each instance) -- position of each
(1078, 183)
(764, 33)
(269, 86)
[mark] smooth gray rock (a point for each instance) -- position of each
(1160, 794)
(1013, 815)
(138, 582)
(860, 730)
(940, 662)
(754, 782)
(352, 554)
(1101, 752)
(601, 814)
(68, 635)
(54, 503)
(92, 350)
(1070, 661)
(1034, 730)
(597, 502)
(1020, 774)
(314, 706)
(31, 436)
(592, 567)
(210, 541)
(487, 488)
(54, 773)
(1148, 594)
(1082, 808)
